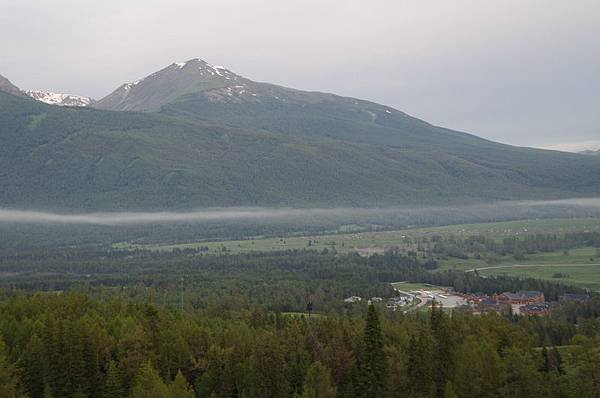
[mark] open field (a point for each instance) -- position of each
(580, 256)
(377, 242)
(580, 267)
(581, 275)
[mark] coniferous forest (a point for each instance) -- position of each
(70, 345)
(76, 323)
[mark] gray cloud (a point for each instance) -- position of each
(522, 72)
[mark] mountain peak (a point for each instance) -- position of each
(201, 65)
(191, 62)
(177, 79)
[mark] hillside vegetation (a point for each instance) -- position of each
(208, 137)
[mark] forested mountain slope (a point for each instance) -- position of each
(223, 140)
(7, 87)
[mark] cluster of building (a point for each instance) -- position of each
(399, 301)
(392, 303)
(358, 299)
(526, 302)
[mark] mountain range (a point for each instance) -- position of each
(45, 96)
(194, 135)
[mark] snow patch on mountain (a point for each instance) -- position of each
(52, 98)
(215, 82)
(135, 83)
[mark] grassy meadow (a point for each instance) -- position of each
(378, 240)
(579, 267)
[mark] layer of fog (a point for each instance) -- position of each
(588, 207)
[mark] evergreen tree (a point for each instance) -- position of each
(72, 353)
(479, 372)
(420, 368)
(545, 367)
(297, 357)
(57, 369)
(81, 394)
(48, 391)
(31, 368)
(113, 385)
(584, 377)
(180, 387)
(558, 363)
(148, 384)
(8, 379)
(318, 382)
(522, 377)
(443, 351)
(398, 372)
(371, 377)
(92, 367)
(218, 377)
(449, 391)
(268, 365)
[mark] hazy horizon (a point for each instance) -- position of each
(518, 73)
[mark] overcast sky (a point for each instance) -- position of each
(517, 71)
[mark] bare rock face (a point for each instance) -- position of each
(217, 83)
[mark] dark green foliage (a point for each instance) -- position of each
(149, 384)
(478, 370)
(318, 382)
(371, 361)
(442, 350)
(449, 391)
(268, 369)
(219, 370)
(522, 380)
(32, 368)
(420, 380)
(250, 354)
(234, 339)
(585, 380)
(180, 387)
(113, 384)
(8, 378)
(280, 279)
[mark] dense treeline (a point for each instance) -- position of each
(183, 324)
(72, 346)
(280, 281)
(516, 246)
